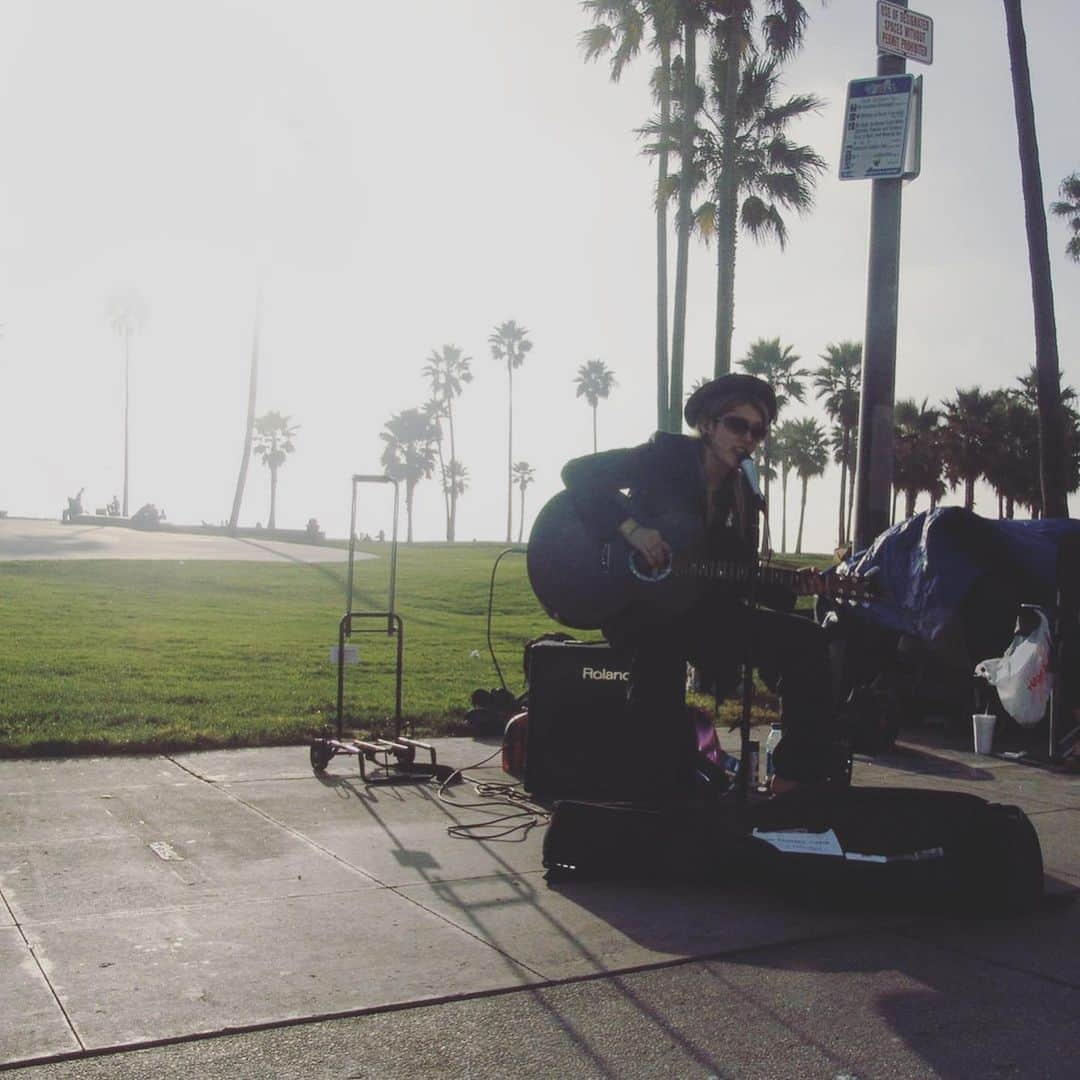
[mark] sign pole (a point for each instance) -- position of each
(874, 463)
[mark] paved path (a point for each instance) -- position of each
(33, 538)
(231, 914)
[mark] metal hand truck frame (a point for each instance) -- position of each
(394, 760)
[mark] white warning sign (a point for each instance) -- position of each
(906, 33)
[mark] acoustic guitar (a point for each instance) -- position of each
(583, 582)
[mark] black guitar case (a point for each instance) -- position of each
(903, 849)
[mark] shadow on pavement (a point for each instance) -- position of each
(922, 762)
(486, 916)
(958, 993)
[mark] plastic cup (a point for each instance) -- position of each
(983, 729)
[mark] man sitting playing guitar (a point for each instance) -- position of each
(693, 485)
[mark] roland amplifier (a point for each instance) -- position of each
(576, 743)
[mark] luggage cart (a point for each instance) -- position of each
(393, 760)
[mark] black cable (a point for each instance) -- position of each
(491, 600)
(506, 795)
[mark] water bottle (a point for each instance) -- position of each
(771, 743)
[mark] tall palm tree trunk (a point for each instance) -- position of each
(1051, 420)
(661, 246)
(273, 497)
(127, 404)
(683, 223)
(521, 518)
(783, 511)
(726, 240)
(410, 490)
(249, 429)
(727, 207)
(844, 449)
(445, 476)
(594, 442)
(766, 460)
(802, 515)
(510, 454)
(850, 498)
(451, 523)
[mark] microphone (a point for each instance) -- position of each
(750, 471)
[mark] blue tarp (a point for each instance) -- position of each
(927, 565)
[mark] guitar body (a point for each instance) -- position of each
(583, 582)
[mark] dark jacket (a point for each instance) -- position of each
(664, 478)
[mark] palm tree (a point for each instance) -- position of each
(249, 426)
(455, 481)
(510, 342)
(1051, 420)
(447, 371)
(917, 459)
(1011, 459)
(273, 443)
(594, 381)
(523, 477)
(770, 172)
(126, 313)
(1028, 490)
(774, 363)
(782, 33)
(1069, 208)
(619, 29)
(809, 456)
(409, 454)
(965, 439)
(781, 440)
(837, 383)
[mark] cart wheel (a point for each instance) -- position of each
(320, 756)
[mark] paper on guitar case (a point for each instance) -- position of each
(802, 843)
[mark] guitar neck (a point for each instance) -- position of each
(741, 572)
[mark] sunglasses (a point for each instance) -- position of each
(739, 425)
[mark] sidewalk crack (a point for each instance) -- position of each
(44, 975)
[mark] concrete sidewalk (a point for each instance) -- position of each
(230, 913)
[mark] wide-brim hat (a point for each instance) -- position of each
(730, 386)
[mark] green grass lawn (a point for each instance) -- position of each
(137, 656)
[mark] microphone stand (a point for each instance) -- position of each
(742, 793)
(747, 685)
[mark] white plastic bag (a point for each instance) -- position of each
(1022, 677)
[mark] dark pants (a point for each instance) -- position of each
(789, 650)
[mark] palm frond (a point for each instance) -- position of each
(705, 221)
(596, 40)
(804, 161)
(778, 116)
(761, 220)
(784, 27)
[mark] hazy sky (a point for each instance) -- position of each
(405, 182)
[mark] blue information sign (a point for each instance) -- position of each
(877, 124)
